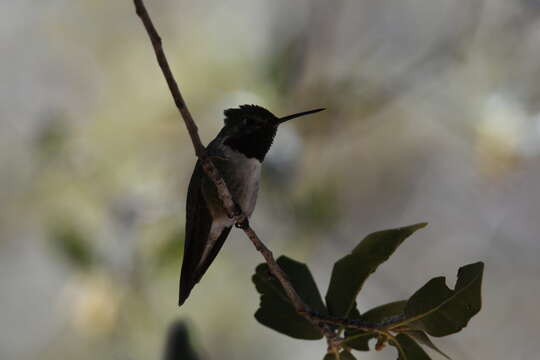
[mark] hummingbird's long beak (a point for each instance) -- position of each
(293, 116)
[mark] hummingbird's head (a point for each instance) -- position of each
(251, 129)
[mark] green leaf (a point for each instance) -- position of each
(408, 349)
(354, 313)
(350, 272)
(276, 311)
(384, 312)
(303, 282)
(440, 311)
(423, 339)
(360, 339)
(346, 355)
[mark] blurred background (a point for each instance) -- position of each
(433, 115)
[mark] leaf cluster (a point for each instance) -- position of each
(434, 310)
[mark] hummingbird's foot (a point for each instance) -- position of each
(243, 225)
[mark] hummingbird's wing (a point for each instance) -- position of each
(197, 237)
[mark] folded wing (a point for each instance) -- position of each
(197, 237)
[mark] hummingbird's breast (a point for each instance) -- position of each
(242, 175)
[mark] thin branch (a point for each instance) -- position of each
(193, 131)
(389, 323)
(324, 323)
(213, 173)
(169, 77)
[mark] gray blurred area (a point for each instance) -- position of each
(433, 114)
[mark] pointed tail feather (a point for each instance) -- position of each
(191, 275)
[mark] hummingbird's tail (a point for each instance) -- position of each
(192, 271)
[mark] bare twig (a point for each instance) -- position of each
(213, 173)
(173, 86)
(325, 324)
(200, 150)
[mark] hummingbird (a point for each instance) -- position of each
(238, 152)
